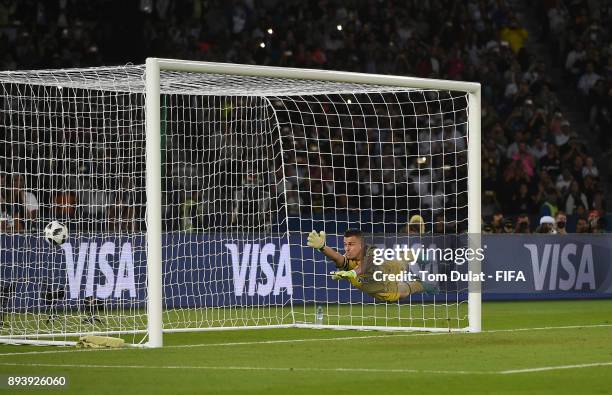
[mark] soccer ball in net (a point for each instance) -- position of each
(56, 233)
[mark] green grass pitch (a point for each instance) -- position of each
(527, 347)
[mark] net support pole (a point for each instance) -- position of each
(474, 214)
(153, 205)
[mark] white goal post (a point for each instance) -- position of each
(232, 166)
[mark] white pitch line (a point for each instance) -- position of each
(229, 344)
(547, 368)
(312, 369)
(70, 350)
(243, 368)
(394, 335)
(543, 328)
(386, 336)
(391, 335)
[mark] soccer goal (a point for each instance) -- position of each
(188, 190)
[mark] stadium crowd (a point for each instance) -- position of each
(535, 166)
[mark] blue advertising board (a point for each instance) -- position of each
(201, 270)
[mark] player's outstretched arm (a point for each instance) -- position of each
(317, 241)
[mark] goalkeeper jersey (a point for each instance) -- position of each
(366, 282)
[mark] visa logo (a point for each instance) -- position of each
(567, 267)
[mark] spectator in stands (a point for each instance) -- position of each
(599, 202)
(513, 148)
(589, 168)
(581, 210)
(576, 170)
(490, 181)
(489, 204)
(560, 223)
(251, 204)
(571, 151)
(590, 188)
(416, 225)
(607, 74)
(499, 136)
(562, 135)
(24, 204)
(523, 224)
(525, 159)
(490, 117)
(551, 163)
(574, 60)
(550, 205)
(64, 205)
(598, 108)
(488, 46)
(93, 201)
(522, 201)
(6, 218)
(555, 127)
(190, 212)
(491, 151)
(508, 226)
(439, 226)
(514, 176)
(514, 35)
(293, 202)
(588, 79)
(547, 225)
(557, 23)
(602, 225)
(547, 100)
(598, 225)
(575, 198)
(538, 149)
(564, 181)
(582, 226)
(316, 197)
(497, 223)
(122, 216)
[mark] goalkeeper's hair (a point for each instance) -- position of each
(353, 232)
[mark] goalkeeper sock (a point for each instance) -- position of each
(429, 289)
(419, 286)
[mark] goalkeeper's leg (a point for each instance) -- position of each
(396, 291)
(416, 287)
(405, 289)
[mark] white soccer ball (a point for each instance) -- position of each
(56, 233)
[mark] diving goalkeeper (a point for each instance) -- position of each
(356, 266)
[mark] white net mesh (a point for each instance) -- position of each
(371, 161)
(249, 167)
(75, 155)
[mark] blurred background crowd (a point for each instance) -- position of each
(545, 69)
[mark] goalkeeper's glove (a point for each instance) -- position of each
(316, 240)
(100, 342)
(346, 274)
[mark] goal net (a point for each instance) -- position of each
(189, 189)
